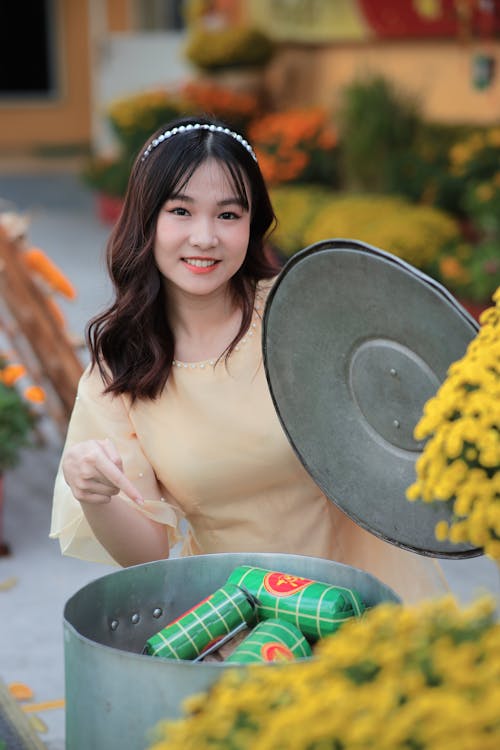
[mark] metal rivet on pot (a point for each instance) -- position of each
(135, 618)
(397, 424)
(157, 612)
(113, 624)
(393, 372)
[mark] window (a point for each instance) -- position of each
(27, 49)
(159, 15)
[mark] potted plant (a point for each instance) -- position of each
(108, 178)
(221, 46)
(236, 108)
(297, 145)
(132, 119)
(17, 422)
(472, 273)
(474, 163)
(233, 47)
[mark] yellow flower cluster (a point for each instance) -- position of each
(461, 460)
(295, 207)
(231, 47)
(485, 191)
(144, 110)
(425, 677)
(471, 149)
(415, 233)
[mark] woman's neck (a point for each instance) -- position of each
(204, 327)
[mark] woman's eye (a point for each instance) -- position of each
(178, 211)
(228, 215)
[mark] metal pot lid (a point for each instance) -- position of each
(355, 341)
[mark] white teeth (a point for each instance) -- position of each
(200, 263)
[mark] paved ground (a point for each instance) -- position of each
(35, 581)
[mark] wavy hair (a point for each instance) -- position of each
(131, 342)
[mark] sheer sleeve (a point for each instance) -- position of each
(98, 416)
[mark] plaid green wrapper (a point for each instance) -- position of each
(269, 641)
(195, 630)
(316, 609)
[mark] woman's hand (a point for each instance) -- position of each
(93, 470)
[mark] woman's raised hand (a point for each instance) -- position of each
(93, 470)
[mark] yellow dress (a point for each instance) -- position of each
(211, 450)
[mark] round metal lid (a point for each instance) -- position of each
(355, 341)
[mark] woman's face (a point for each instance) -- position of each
(202, 234)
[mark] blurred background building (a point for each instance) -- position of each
(342, 99)
(63, 61)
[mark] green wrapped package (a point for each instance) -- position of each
(196, 630)
(271, 640)
(316, 609)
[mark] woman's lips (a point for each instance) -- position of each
(200, 265)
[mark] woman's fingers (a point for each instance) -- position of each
(94, 472)
(109, 449)
(111, 472)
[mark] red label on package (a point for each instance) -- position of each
(276, 652)
(282, 584)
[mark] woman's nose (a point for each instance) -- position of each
(203, 235)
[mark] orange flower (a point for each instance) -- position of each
(37, 261)
(11, 373)
(451, 268)
(218, 99)
(327, 140)
(20, 691)
(35, 394)
(283, 166)
(286, 141)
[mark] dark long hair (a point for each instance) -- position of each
(132, 342)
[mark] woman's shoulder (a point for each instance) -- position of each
(264, 286)
(91, 386)
(94, 382)
(95, 401)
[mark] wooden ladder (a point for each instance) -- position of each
(40, 341)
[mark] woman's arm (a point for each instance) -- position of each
(130, 537)
(97, 513)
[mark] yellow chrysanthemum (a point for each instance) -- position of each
(426, 676)
(461, 459)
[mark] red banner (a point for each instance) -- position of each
(431, 18)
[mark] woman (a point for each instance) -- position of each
(173, 418)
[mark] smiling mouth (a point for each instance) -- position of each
(200, 262)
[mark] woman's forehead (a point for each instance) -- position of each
(217, 176)
(215, 172)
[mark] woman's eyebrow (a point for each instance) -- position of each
(224, 202)
(231, 202)
(180, 197)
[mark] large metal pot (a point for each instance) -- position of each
(112, 690)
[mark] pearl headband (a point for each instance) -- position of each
(198, 126)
